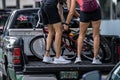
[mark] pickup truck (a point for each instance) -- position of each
(18, 63)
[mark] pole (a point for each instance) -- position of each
(4, 4)
(17, 4)
(111, 10)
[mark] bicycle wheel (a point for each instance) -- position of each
(68, 51)
(68, 48)
(104, 53)
(106, 49)
(37, 46)
(88, 50)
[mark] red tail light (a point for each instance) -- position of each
(16, 55)
(119, 52)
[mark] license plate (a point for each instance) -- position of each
(68, 74)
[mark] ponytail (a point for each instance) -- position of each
(62, 1)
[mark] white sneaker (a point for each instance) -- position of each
(96, 61)
(61, 60)
(77, 60)
(47, 59)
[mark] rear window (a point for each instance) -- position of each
(26, 20)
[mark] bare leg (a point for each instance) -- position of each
(96, 37)
(58, 34)
(83, 28)
(49, 38)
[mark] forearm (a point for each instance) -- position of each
(76, 14)
(60, 9)
(71, 7)
(69, 17)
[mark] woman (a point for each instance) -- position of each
(52, 19)
(89, 12)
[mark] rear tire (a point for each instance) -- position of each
(104, 54)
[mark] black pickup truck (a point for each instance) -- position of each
(17, 62)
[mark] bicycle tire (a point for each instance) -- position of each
(37, 46)
(89, 53)
(40, 43)
(106, 48)
(104, 54)
(68, 53)
(65, 52)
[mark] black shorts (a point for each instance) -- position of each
(90, 16)
(50, 15)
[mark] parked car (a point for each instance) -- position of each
(4, 14)
(95, 75)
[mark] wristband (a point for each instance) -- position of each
(66, 24)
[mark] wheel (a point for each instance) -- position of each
(67, 50)
(104, 53)
(37, 46)
(88, 50)
(106, 49)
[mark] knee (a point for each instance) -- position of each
(51, 33)
(82, 34)
(96, 36)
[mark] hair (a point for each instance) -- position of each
(62, 2)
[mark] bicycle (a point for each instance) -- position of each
(68, 45)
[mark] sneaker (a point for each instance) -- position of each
(96, 61)
(47, 59)
(61, 60)
(77, 60)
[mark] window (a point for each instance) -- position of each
(116, 74)
(37, 4)
(26, 20)
(11, 7)
(28, 6)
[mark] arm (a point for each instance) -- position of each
(60, 9)
(71, 4)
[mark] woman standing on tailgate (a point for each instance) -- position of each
(52, 18)
(89, 12)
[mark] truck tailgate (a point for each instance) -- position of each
(40, 67)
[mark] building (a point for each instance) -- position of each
(110, 8)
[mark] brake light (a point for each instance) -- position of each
(119, 52)
(16, 55)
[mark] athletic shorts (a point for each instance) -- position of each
(50, 15)
(90, 16)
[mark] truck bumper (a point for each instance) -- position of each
(36, 77)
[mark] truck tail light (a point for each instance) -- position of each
(16, 55)
(118, 51)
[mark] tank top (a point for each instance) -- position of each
(88, 5)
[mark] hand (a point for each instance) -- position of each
(66, 27)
